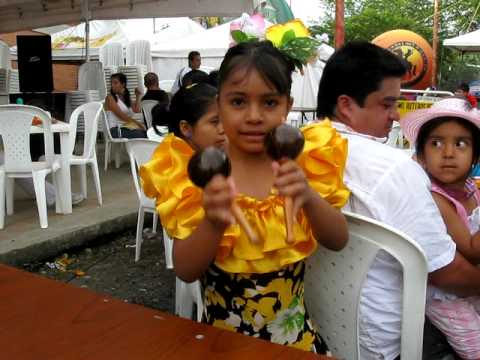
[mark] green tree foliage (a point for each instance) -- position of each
(366, 19)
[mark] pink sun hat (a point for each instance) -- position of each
(413, 121)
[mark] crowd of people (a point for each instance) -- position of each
(257, 289)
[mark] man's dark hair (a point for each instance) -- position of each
(191, 55)
(357, 69)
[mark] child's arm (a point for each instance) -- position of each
(193, 255)
(329, 226)
(468, 245)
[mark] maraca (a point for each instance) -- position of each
(203, 166)
(285, 141)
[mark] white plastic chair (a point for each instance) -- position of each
(91, 114)
(15, 124)
(139, 152)
(186, 294)
(152, 135)
(334, 280)
(110, 142)
(147, 106)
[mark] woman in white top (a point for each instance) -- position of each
(119, 111)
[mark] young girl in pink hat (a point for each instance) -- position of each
(447, 144)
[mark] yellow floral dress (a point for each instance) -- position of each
(254, 289)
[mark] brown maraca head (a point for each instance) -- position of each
(284, 141)
(207, 163)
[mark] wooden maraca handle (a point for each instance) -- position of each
(289, 219)
(242, 221)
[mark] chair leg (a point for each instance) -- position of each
(107, 153)
(197, 295)
(2, 200)
(168, 248)
(10, 192)
(83, 179)
(118, 154)
(139, 237)
(183, 300)
(155, 222)
(59, 197)
(39, 185)
(96, 179)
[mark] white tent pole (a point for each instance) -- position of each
(86, 16)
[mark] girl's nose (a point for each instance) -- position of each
(448, 150)
(254, 114)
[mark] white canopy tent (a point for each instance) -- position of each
(29, 14)
(69, 43)
(170, 57)
(465, 42)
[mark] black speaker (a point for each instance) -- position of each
(34, 54)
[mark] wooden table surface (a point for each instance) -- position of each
(43, 319)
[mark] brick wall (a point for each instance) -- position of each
(65, 73)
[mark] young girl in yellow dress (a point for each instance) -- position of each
(255, 289)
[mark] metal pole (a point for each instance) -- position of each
(86, 16)
(436, 19)
(339, 23)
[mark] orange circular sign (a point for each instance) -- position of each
(415, 50)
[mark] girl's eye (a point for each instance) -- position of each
(462, 144)
(237, 101)
(271, 102)
(214, 121)
(436, 143)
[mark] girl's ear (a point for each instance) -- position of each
(185, 129)
(290, 104)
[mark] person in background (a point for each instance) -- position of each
(150, 80)
(358, 91)
(464, 90)
(194, 62)
(118, 106)
(195, 77)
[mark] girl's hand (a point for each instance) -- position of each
(290, 181)
(218, 198)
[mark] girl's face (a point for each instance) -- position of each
(448, 153)
(249, 108)
(117, 86)
(208, 130)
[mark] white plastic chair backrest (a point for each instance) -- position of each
(334, 280)
(111, 54)
(152, 135)
(138, 53)
(139, 152)
(106, 126)
(147, 106)
(166, 85)
(15, 125)
(91, 77)
(91, 114)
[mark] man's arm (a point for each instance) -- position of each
(459, 277)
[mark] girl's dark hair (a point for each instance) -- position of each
(274, 67)
(123, 80)
(430, 126)
(190, 104)
(194, 77)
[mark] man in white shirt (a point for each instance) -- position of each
(194, 62)
(358, 91)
